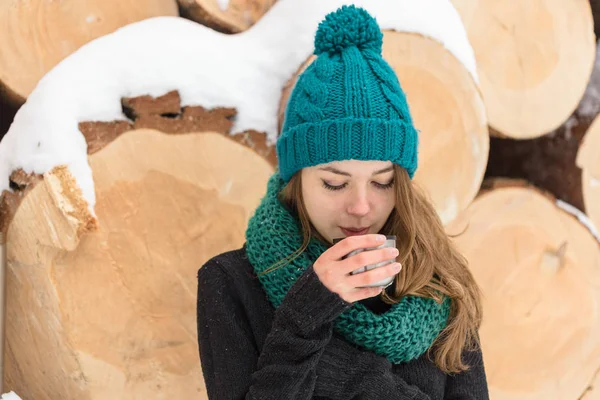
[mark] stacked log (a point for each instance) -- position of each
(532, 241)
(170, 193)
(537, 265)
(534, 59)
(101, 302)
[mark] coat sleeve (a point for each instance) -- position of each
(470, 384)
(233, 367)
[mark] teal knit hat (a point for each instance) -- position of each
(348, 104)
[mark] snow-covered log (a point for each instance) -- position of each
(90, 85)
(104, 306)
(227, 16)
(534, 60)
(36, 35)
(447, 109)
(537, 262)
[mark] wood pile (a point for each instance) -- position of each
(101, 304)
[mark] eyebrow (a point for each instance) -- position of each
(337, 171)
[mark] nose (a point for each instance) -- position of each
(359, 203)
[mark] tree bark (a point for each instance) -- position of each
(225, 16)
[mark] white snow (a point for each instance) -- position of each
(10, 396)
(583, 218)
(223, 4)
(246, 71)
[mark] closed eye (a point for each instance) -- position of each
(332, 187)
(384, 185)
(378, 185)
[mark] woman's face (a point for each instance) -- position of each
(345, 198)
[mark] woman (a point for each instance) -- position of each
(283, 317)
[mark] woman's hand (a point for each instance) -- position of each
(335, 272)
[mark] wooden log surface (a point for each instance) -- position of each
(454, 145)
(534, 59)
(539, 270)
(554, 162)
(166, 203)
(36, 35)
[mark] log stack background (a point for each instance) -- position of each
(103, 306)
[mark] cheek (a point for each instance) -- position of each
(317, 206)
(386, 204)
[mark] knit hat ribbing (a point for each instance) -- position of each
(348, 104)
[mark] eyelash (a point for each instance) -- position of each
(378, 185)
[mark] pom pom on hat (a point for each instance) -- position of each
(348, 26)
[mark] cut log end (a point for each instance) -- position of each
(534, 60)
(537, 267)
(166, 205)
(160, 197)
(552, 162)
(233, 16)
(454, 145)
(67, 25)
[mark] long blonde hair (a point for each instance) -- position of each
(431, 265)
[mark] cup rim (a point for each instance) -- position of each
(387, 237)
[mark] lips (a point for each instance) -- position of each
(355, 231)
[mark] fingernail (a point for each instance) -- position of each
(397, 267)
(381, 238)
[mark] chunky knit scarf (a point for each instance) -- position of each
(403, 333)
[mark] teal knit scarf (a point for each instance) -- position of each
(403, 333)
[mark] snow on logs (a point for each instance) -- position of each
(36, 35)
(132, 186)
(536, 260)
(171, 194)
(534, 60)
(228, 16)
